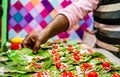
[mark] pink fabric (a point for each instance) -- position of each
(78, 10)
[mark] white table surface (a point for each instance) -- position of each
(109, 55)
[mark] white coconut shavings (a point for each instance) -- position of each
(8, 44)
(2, 70)
(9, 50)
(82, 51)
(29, 59)
(27, 67)
(79, 70)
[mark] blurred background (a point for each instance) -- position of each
(26, 16)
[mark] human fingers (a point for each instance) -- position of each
(36, 46)
(27, 42)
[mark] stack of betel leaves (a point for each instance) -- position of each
(58, 58)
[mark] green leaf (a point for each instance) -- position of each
(4, 58)
(14, 74)
(98, 68)
(8, 75)
(25, 75)
(95, 61)
(12, 68)
(11, 63)
(105, 75)
(86, 59)
(44, 54)
(71, 67)
(46, 45)
(17, 57)
(55, 71)
(3, 54)
(47, 63)
(20, 56)
(97, 54)
(116, 68)
(118, 46)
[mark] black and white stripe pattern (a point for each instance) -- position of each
(107, 17)
(108, 13)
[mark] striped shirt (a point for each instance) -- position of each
(106, 14)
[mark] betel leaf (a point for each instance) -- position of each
(10, 63)
(47, 63)
(3, 54)
(24, 75)
(104, 74)
(53, 68)
(85, 59)
(4, 58)
(55, 71)
(55, 75)
(46, 45)
(18, 59)
(44, 54)
(97, 54)
(14, 74)
(24, 51)
(116, 68)
(11, 69)
(19, 56)
(70, 68)
(98, 68)
(8, 75)
(95, 61)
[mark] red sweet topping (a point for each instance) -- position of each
(92, 74)
(15, 46)
(115, 75)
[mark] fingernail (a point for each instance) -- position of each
(34, 52)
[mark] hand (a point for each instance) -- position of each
(34, 40)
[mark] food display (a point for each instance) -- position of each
(58, 58)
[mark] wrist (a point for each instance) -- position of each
(44, 35)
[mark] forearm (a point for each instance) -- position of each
(59, 24)
(78, 10)
(34, 40)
